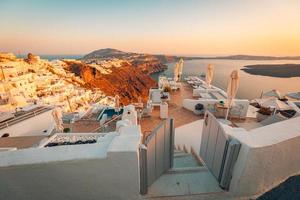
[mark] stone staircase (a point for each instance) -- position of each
(184, 160)
(188, 178)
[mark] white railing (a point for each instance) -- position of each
(23, 117)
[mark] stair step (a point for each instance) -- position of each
(177, 151)
(181, 154)
(185, 161)
(186, 169)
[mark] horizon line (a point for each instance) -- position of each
(178, 55)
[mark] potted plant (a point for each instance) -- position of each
(199, 109)
(67, 130)
(167, 89)
(165, 93)
(164, 96)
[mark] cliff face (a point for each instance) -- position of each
(125, 80)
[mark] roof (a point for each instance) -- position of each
(20, 142)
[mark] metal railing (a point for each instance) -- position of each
(107, 123)
(156, 154)
(23, 117)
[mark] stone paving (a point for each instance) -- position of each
(181, 115)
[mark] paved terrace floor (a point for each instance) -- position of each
(21, 142)
(176, 111)
(181, 115)
(83, 126)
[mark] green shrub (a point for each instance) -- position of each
(67, 130)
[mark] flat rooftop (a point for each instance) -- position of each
(181, 115)
(21, 142)
(83, 126)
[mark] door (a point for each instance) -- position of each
(218, 151)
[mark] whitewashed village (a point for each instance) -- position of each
(188, 140)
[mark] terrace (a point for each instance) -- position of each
(182, 104)
(21, 142)
(188, 175)
(175, 110)
(98, 119)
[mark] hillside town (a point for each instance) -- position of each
(35, 81)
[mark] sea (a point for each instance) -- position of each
(250, 87)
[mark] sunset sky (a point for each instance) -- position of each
(181, 27)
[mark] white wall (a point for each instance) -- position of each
(189, 135)
(208, 104)
(58, 153)
(32, 126)
(125, 141)
(197, 92)
(268, 156)
(191, 103)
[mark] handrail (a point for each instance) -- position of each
(106, 123)
(144, 136)
(23, 117)
(29, 113)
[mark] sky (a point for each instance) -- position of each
(174, 27)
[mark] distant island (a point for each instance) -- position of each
(151, 63)
(110, 53)
(274, 70)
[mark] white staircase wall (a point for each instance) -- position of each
(189, 135)
(268, 156)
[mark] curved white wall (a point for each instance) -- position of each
(268, 156)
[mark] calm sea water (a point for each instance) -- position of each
(251, 86)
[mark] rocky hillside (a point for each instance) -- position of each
(114, 77)
(110, 71)
(145, 62)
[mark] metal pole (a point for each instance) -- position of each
(143, 169)
(227, 113)
(172, 134)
